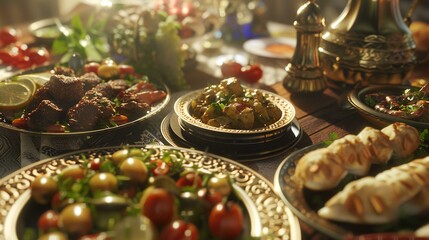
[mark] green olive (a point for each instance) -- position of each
(53, 235)
(121, 155)
(108, 71)
(103, 182)
(43, 188)
(76, 219)
(74, 172)
(135, 169)
(220, 184)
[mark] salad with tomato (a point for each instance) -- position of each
(136, 192)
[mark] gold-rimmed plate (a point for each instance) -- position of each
(305, 202)
(181, 108)
(275, 219)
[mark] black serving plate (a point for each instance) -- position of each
(305, 202)
(251, 151)
(356, 99)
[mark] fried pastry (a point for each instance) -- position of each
(373, 200)
(378, 144)
(404, 138)
(354, 155)
(319, 170)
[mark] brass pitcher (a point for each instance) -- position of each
(368, 42)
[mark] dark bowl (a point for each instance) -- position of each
(356, 99)
(45, 31)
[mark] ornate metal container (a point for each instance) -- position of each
(368, 42)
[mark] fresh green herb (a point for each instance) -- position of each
(370, 101)
(331, 138)
(89, 42)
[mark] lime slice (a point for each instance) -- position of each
(28, 82)
(13, 95)
(38, 78)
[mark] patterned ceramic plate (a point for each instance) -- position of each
(275, 219)
(181, 108)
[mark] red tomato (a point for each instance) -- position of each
(226, 220)
(126, 69)
(56, 201)
(95, 164)
(161, 167)
(159, 206)
(179, 230)
(91, 67)
(20, 123)
(251, 73)
(230, 69)
(189, 179)
(38, 55)
(48, 221)
(8, 35)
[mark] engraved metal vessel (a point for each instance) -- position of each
(368, 42)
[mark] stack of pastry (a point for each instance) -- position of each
(374, 200)
(324, 168)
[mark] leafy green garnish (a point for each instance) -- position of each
(89, 42)
(331, 138)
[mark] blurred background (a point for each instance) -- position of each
(283, 11)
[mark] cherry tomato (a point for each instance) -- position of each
(48, 221)
(91, 67)
(161, 167)
(179, 230)
(126, 69)
(210, 197)
(56, 202)
(189, 179)
(230, 69)
(95, 164)
(43, 188)
(251, 73)
(135, 169)
(159, 206)
(38, 55)
(103, 182)
(226, 220)
(20, 123)
(8, 35)
(74, 172)
(76, 219)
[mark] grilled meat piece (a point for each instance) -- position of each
(66, 71)
(133, 109)
(91, 109)
(41, 94)
(47, 113)
(67, 91)
(119, 85)
(89, 80)
(105, 90)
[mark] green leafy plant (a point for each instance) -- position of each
(88, 41)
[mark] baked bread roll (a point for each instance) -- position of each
(404, 138)
(378, 144)
(423, 231)
(353, 154)
(319, 170)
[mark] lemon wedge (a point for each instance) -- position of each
(14, 95)
(38, 78)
